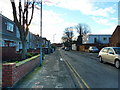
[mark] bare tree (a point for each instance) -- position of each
(82, 29)
(67, 36)
(22, 22)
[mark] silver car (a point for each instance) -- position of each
(93, 49)
(110, 55)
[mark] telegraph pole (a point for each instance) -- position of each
(41, 35)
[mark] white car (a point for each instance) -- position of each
(93, 49)
(110, 55)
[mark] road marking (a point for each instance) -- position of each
(79, 76)
(61, 59)
(74, 75)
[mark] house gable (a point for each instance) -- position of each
(115, 38)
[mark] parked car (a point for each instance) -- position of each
(110, 55)
(93, 49)
(67, 49)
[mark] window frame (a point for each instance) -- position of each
(111, 50)
(10, 26)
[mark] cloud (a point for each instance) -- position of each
(6, 8)
(103, 12)
(109, 30)
(84, 6)
(102, 21)
(53, 23)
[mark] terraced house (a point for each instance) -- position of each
(9, 33)
(10, 38)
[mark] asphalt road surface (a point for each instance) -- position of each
(90, 73)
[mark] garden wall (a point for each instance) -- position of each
(85, 47)
(11, 73)
(8, 53)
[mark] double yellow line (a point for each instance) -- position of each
(76, 75)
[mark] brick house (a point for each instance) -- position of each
(33, 41)
(9, 32)
(115, 38)
(46, 46)
(9, 38)
(10, 42)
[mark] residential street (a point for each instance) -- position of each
(60, 44)
(94, 73)
(71, 69)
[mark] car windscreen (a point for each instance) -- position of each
(117, 50)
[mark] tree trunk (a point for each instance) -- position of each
(24, 48)
(79, 40)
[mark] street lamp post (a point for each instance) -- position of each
(41, 35)
(41, 41)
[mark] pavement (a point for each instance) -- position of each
(53, 74)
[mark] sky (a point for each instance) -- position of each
(100, 15)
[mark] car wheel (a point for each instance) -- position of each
(117, 64)
(101, 59)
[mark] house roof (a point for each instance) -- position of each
(6, 18)
(117, 28)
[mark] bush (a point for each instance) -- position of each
(29, 55)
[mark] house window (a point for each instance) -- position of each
(104, 38)
(10, 26)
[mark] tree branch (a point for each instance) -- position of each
(20, 10)
(32, 12)
(14, 11)
(27, 12)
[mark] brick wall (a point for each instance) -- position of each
(9, 54)
(11, 73)
(115, 38)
